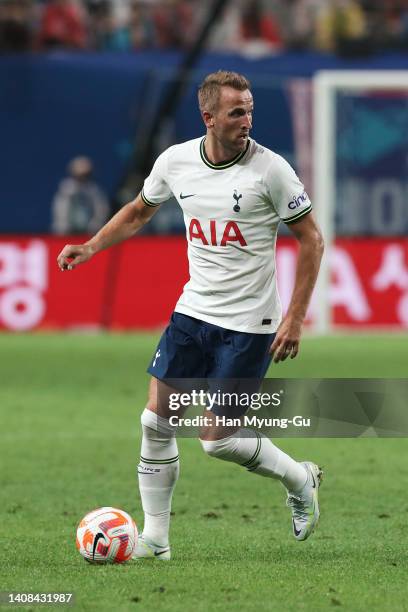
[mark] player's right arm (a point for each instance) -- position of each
(127, 221)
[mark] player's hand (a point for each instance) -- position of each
(74, 254)
(287, 339)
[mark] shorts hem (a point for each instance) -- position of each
(264, 329)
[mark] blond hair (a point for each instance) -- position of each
(210, 89)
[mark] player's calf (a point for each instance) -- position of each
(258, 454)
(158, 473)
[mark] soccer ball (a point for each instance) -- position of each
(106, 535)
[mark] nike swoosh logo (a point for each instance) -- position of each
(314, 482)
(183, 197)
(157, 554)
(99, 536)
(295, 531)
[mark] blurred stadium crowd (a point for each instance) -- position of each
(344, 27)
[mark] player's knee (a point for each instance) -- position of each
(152, 396)
(221, 449)
(151, 404)
(155, 426)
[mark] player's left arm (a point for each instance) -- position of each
(287, 339)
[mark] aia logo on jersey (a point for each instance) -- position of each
(298, 201)
(218, 235)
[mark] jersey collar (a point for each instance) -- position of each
(221, 165)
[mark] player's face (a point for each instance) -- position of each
(232, 121)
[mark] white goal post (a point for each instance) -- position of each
(325, 86)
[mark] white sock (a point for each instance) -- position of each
(158, 471)
(258, 454)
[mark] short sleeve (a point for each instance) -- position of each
(287, 192)
(156, 189)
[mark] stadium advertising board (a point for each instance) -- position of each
(135, 285)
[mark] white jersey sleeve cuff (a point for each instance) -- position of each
(147, 201)
(298, 216)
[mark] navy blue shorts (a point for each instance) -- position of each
(193, 349)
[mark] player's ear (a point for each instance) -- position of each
(208, 119)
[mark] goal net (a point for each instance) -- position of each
(360, 142)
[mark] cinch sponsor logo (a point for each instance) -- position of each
(218, 235)
(298, 201)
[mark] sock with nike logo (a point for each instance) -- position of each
(158, 472)
(259, 455)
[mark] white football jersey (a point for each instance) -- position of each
(232, 212)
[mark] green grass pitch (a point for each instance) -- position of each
(70, 410)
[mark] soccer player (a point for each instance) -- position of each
(227, 323)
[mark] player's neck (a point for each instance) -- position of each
(215, 152)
